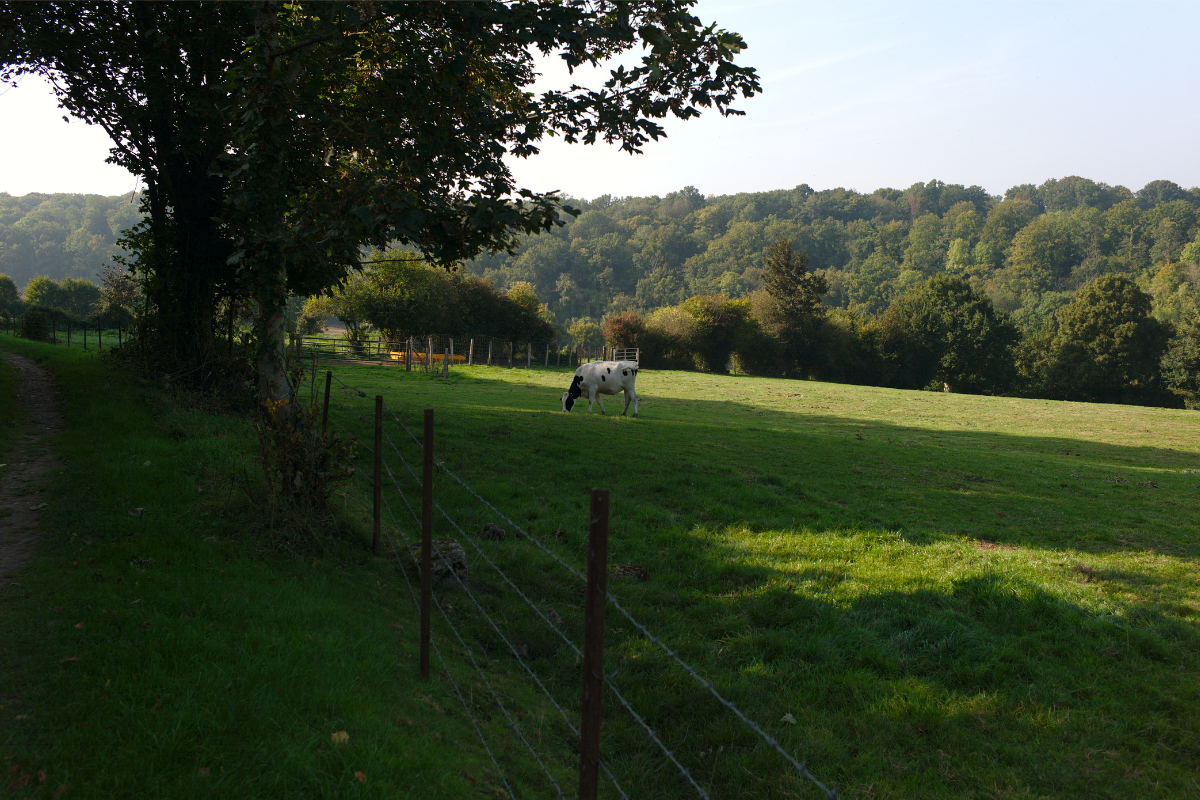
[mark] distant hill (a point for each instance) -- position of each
(1029, 249)
(61, 235)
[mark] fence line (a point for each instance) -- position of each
(436, 351)
(466, 589)
(771, 742)
(475, 725)
(470, 654)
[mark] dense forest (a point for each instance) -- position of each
(1029, 250)
(61, 235)
(1072, 289)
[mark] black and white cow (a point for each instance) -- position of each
(603, 377)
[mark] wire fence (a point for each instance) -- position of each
(440, 352)
(60, 329)
(344, 402)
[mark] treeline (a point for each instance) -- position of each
(61, 235)
(944, 333)
(1029, 250)
(399, 295)
(71, 300)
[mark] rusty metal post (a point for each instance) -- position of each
(426, 541)
(593, 646)
(378, 473)
(325, 410)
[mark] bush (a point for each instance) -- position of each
(624, 330)
(670, 341)
(301, 465)
(37, 324)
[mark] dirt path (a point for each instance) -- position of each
(39, 403)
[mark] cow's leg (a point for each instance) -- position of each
(600, 400)
(591, 399)
(629, 392)
(627, 398)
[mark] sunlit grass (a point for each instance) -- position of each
(940, 589)
(952, 596)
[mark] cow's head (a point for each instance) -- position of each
(571, 395)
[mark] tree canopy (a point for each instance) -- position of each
(276, 140)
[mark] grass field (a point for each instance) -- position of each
(951, 596)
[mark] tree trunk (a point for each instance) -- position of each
(272, 339)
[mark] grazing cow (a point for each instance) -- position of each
(603, 377)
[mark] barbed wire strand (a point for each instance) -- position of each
(498, 512)
(799, 766)
(470, 654)
(771, 742)
(564, 714)
(466, 589)
(470, 540)
(467, 650)
(446, 669)
(612, 686)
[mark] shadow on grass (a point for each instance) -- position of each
(975, 686)
(694, 462)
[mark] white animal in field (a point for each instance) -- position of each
(603, 377)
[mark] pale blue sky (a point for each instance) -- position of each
(860, 95)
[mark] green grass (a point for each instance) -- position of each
(953, 596)
(197, 646)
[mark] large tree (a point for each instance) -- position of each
(308, 131)
(948, 332)
(789, 308)
(153, 76)
(1108, 346)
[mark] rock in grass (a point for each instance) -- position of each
(449, 563)
(492, 532)
(630, 571)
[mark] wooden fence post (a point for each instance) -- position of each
(378, 472)
(528, 354)
(489, 351)
(511, 346)
(471, 354)
(593, 646)
(547, 355)
(325, 411)
(428, 354)
(408, 355)
(446, 362)
(426, 541)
